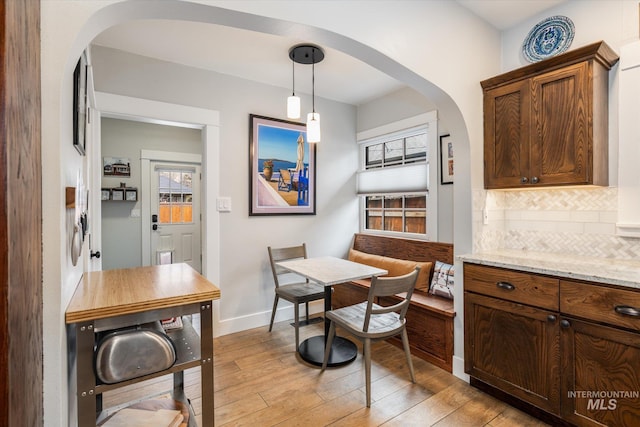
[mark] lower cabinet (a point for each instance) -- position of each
(600, 375)
(577, 364)
(515, 348)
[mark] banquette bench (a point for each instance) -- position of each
(430, 317)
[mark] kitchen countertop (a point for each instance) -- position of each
(622, 272)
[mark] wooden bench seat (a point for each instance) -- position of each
(430, 317)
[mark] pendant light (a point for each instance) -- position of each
(310, 54)
(293, 102)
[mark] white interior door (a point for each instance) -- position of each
(174, 200)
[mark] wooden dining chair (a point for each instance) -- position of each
(296, 293)
(369, 322)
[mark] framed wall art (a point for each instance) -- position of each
(446, 159)
(80, 104)
(282, 168)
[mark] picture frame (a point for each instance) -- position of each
(116, 166)
(282, 168)
(80, 104)
(131, 195)
(446, 159)
(117, 194)
(105, 194)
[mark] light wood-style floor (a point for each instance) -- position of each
(260, 381)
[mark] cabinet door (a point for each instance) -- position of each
(601, 375)
(515, 348)
(561, 134)
(506, 135)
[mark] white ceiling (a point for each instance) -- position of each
(264, 58)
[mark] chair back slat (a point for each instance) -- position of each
(387, 286)
(284, 254)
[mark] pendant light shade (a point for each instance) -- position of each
(293, 102)
(307, 54)
(293, 107)
(313, 127)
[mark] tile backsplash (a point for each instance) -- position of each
(579, 221)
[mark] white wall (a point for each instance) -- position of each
(387, 37)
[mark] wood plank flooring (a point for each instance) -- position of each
(260, 381)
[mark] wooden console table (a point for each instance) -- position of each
(112, 299)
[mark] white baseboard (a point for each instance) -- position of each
(458, 368)
(256, 320)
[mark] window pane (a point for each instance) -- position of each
(374, 202)
(175, 197)
(373, 154)
(413, 202)
(374, 220)
(416, 147)
(393, 220)
(393, 202)
(393, 151)
(416, 224)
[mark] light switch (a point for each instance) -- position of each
(224, 204)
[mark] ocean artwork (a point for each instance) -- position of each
(282, 168)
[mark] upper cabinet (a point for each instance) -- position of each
(546, 124)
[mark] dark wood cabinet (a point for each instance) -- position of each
(547, 124)
(601, 374)
(512, 346)
(564, 350)
(600, 337)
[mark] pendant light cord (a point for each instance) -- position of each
(313, 82)
(293, 85)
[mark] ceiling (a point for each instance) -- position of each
(264, 58)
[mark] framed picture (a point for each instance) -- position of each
(117, 194)
(105, 193)
(116, 166)
(80, 104)
(446, 159)
(282, 168)
(131, 194)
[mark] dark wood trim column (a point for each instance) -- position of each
(21, 363)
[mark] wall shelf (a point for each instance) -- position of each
(119, 194)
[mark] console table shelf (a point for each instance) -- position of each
(113, 299)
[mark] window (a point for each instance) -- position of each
(400, 151)
(399, 213)
(175, 197)
(393, 180)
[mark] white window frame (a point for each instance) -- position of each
(425, 122)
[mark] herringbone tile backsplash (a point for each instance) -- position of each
(579, 221)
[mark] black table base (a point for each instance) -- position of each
(343, 351)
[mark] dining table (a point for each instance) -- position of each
(329, 271)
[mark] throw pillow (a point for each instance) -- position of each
(442, 282)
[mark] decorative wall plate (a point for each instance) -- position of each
(549, 37)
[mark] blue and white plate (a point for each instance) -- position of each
(548, 38)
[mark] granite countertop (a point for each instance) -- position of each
(622, 272)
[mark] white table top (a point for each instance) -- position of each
(331, 270)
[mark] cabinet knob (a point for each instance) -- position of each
(565, 323)
(551, 318)
(535, 180)
(524, 180)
